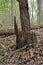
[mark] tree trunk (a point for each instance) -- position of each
(40, 10)
(12, 12)
(23, 37)
(25, 19)
(24, 15)
(20, 40)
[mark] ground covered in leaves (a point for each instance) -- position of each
(7, 43)
(27, 56)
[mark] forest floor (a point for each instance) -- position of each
(27, 56)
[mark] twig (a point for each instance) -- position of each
(17, 50)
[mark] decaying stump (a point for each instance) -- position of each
(20, 37)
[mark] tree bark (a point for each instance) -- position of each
(24, 15)
(25, 19)
(23, 37)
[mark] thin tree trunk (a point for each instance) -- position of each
(12, 12)
(32, 12)
(40, 10)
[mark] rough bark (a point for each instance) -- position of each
(24, 15)
(25, 19)
(23, 37)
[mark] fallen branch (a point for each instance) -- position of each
(16, 51)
